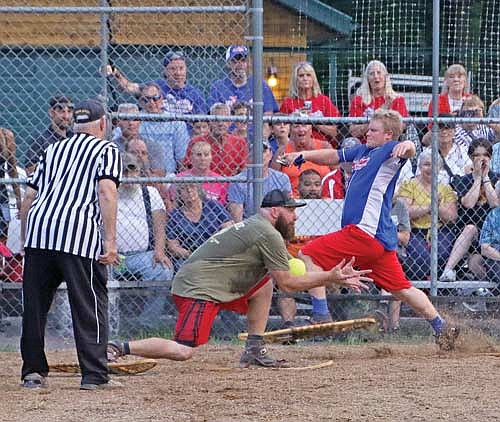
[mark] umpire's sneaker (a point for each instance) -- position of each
(258, 356)
(35, 380)
(110, 385)
(446, 339)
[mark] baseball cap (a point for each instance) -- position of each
(235, 51)
(60, 101)
(173, 55)
(280, 198)
(88, 111)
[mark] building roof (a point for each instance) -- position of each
(324, 14)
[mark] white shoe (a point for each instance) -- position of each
(448, 275)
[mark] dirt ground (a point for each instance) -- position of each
(369, 382)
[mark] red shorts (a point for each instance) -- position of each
(327, 251)
(196, 316)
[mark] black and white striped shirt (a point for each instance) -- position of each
(65, 215)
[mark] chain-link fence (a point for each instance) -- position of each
(170, 80)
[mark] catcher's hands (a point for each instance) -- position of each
(346, 276)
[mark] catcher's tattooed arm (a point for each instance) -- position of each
(343, 274)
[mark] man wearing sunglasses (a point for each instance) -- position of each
(172, 137)
(61, 119)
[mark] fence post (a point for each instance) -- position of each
(435, 146)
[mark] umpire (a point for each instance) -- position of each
(68, 225)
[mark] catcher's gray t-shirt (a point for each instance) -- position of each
(232, 261)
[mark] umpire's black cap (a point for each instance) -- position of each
(88, 111)
(280, 198)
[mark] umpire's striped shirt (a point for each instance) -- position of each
(65, 215)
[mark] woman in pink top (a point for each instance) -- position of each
(375, 92)
(305, 95)
(201, 158)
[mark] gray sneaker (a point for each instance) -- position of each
(258, 356)
(35, 380)
(446, 339)
(110, 385)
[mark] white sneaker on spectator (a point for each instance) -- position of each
(448, 275)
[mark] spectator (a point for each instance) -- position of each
(305, 94)
(172, 137)
(193, 221)
(300, 140)
(141, 227)
(179, 96)
(455, 89)
(240, 128)
(140, 237)
(229, 152)
(151, 165)
(494, 111)
(416, 193)
(61, 118)
(310, 184)
(200, 128)
(490, 242)
(201, 159)
(237, 86)
(8, 163)
(126, 130)
(495, 159)
(280, 132)
(375, 92)
(455, 158)
(465, 133)
(240, 195)
(477, 196)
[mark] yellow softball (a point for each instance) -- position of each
(297, 266)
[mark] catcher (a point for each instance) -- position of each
(229, 272)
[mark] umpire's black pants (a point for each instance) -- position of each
(44, 270)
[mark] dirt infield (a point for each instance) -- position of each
(371, 382)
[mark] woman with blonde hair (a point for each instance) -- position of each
(375, 92)
(305, 95)
(454, 90)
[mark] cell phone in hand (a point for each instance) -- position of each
(297, 162)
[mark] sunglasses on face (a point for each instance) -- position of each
(148, 98)
(470, 113)
(131, 167)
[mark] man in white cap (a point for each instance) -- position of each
(237, 86)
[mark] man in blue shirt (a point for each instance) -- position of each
(172, 137)
(368, 233)
(237, 86)
(179, 96)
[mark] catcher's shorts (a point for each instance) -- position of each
(196, 316)
(328, 250)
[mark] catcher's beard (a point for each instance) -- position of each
(287, 230)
